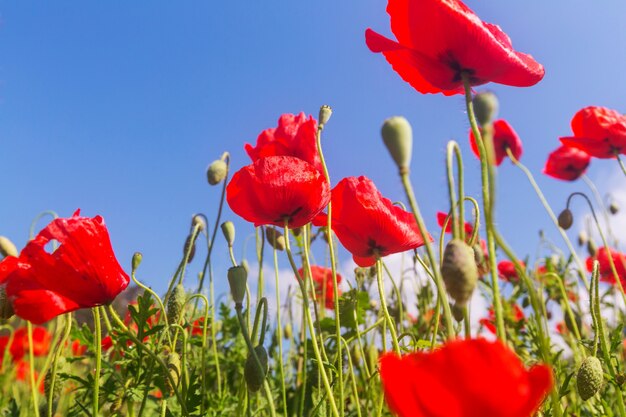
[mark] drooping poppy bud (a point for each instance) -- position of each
(589, 377)
(614, 207)
(566, 219)
(458, 312)
(582, 238)
(275, 238)
(486, 107)
(325, 112)
(255, 376)
(592, 249)
(7, 248)
(228, 229)
(216, 172)
(197, 221)
(459, 271)
(189, 248)
(398, 138)
(175, 304)
(237, 279)
(137, 258)
(173, 367)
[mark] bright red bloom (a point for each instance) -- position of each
(197, 327)
(82, 272)
(567, 163)
(605, 270)
(506, 270)
(464, 378)
(369, 225)
(278, 188)
(438, 40)
(504, 137)
(441, 219)
(599, 131)
(323, 281)
(294, 136)
(512, 314)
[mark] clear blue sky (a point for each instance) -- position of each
(117, 107)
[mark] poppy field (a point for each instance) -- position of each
(436, 317)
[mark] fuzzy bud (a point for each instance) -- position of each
(216, 172)
(324, 115)
(582, 238)
(592, 249)
(589, 377)
(255, 376)
(288, 331)
(372, 356)
(486, 107)
(458, 312)
(228, 229)
(7, 248)
(175, 304)
(614, 207)
(459, 271)
(398, 138)
(237, 279)
(189, 248)
(137, 258)
(6, 308)
(173, 367)
(275, 238)
(197, 221)
(566, 219)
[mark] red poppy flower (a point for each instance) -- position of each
(41, 342)
(464, 378)
(82, 272)
(438, 40)
(197, 327)
(566, 163)
(441, 219)
(22, 373)
(78, 349)
(512, 314)
(599, 131)
(369, 225)
(605, 270)
(323, 280)
(294, 136)
(506, 270)
(504, 137)
(278, 188)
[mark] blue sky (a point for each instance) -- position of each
(118, 107)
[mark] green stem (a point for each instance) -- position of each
(281, 370)
(621, 163)
(458, 224)
(98, 346)
(31, 363)
(383, 307)
(57, 353)
(598, 198)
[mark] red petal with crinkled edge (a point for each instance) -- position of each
(82, 272)
(567, 163)
(598, 148)
(464, 378)
(440, 39)
(598, 131)
(504, 137)
(278, 188)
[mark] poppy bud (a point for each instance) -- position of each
(237, 279)
(620, 379)
(592, 249)
(570, 325)
(372, 356)
(582, 238)
(198, 221)
(216, 172)
(479, 255)
(288, 331)
(324, 115)
(357, 357)
(173, 367)
(228, 229)
(275, 238)
(486, 107)
(566, 219)
(190, 247)
(613, 207)
(254, 375)
(7, 248)
(6, 308)
(175, 304)
(458, 312)
(137, 258)
(589, 377)
(245, 265)
(398, 138)
(459, 271)
(525, 302)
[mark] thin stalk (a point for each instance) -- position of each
(31, 364)
(98, 346)
(458, 228)
(598, 198)
(621, 163)
(383, 307)
(281, 370)
(57, 353)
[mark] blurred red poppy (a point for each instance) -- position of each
(82, 272)
(504, 137)
(598, 131)
(323, 280)
(41, 342)
(278, 188)
(439, 40)
(605, 270)
(566, 163)
(369, 225)
(506, 270)
(464, 378)
(441, 219)
(513, 314)
(294, 136)
(78, 349)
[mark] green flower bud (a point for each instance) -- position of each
(459, 271)
(7, 248)
(570, 325)
(190, 247)
(199, 222)
(592, 249)
(486, 107)
(566, 219)
(275, 238)
(216, 172)
(245, 265)
(357, 357)
(288, 331)
(137, 258)
(254, 375)
(324, 115)
(237, 278)
(173, 367)
(372, 356)
(228, 229)
(6, 308)
(582, 238)
(458, 312)
(175, 304)
(589, 378)
(398, 138)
